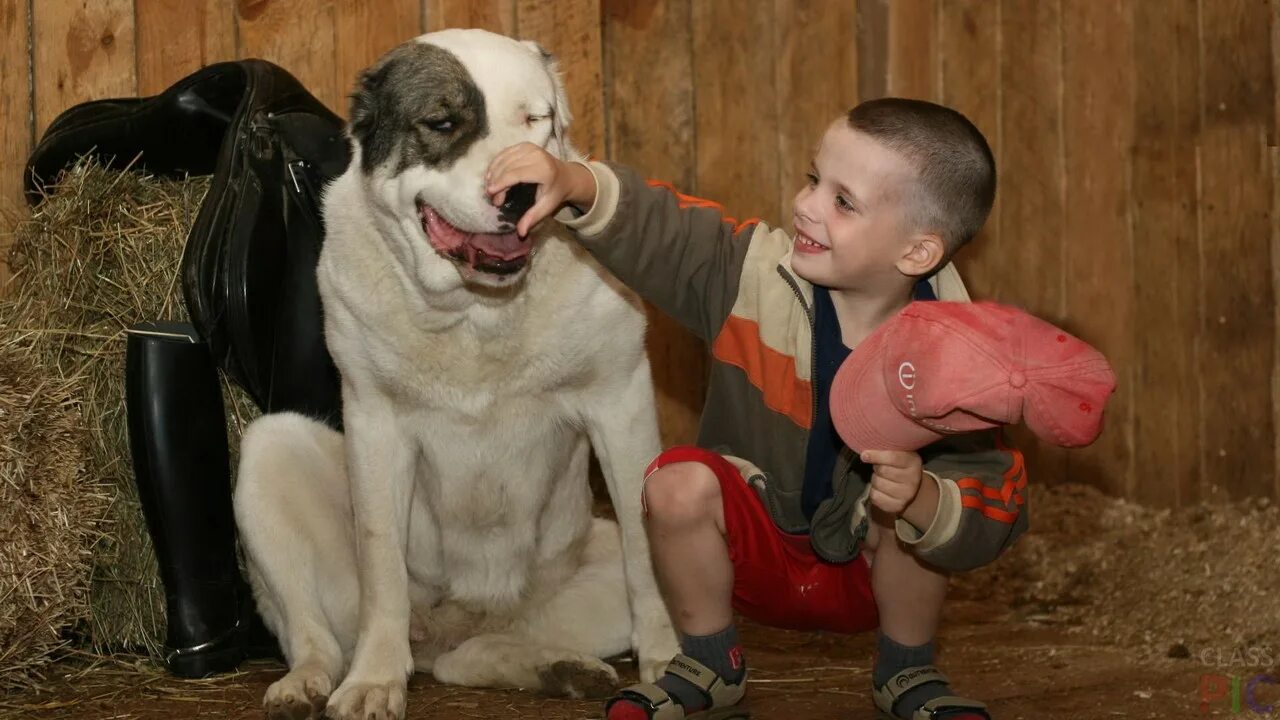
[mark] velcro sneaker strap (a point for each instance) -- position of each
(951, 702)
(654, 694)
(660, 704)
(912, 677)
(693, 672)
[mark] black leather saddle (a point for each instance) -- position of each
(248, 270)
(248, 277)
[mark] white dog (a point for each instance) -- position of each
(450, 529)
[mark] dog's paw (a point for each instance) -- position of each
(356, 700)
(578, 679)
(300, 695)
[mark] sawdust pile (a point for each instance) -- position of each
(1201, 582)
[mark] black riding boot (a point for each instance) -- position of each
(177, 432)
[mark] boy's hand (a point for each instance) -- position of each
(558, 182)
(896, 479)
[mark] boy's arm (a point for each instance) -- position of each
(981, 486)
(678, 252)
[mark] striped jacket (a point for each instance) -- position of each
(732, 285)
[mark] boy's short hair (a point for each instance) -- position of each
(955, 170)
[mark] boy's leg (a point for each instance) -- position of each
(685, 520)
(909, 596)
(686, 527)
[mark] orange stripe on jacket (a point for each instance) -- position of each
(1015, 478)
(688, 201)
(994, 513)
(1011, 488)
(770, 371)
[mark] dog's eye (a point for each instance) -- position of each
(441, 126)
(531, 119)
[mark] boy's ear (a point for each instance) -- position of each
(924, 254)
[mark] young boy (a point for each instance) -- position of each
(771, 515)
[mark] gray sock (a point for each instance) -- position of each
(892, 658)
(720, 652)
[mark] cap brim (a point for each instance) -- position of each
(863, 411)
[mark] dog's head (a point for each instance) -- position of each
(427, 118)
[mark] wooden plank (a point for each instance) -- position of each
(1275, 242)
(364, 31)
(495, 15)
(807, 101)
(650, 126)
(15, 116)
(737, 124)
(969, 46)
(1235, 349)
(297, 35)
(83, 51)
(570, 30)
(1031, 206)
(1236, 37)
(873, 49)
(1275, 283)
(1098, 68)
(1166, 307)
(913, 49)
(178, 37)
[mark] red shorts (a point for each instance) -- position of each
(777, 578)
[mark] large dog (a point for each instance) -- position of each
(449, 528)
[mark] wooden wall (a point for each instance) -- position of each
(1135, 141)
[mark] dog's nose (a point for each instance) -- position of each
(518, 201)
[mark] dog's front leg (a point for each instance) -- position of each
(380, 467)
(623, 426)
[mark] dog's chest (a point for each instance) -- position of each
(483, 375)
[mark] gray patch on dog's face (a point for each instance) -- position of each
(421, 99)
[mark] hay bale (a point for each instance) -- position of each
(99, 253)
(51, 514)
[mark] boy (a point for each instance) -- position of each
(781, 521)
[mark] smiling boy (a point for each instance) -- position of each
(771, 514)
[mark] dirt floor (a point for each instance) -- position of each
(1103, 610)
(1021, 668)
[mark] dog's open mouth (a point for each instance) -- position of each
(493, 253)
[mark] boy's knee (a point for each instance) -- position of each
(680, 493)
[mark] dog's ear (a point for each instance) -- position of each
(364, 101)
(369, 111)
(562, 118)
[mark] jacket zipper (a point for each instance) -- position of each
(813, 344)
(813, 366)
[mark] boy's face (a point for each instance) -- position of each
(852, 231)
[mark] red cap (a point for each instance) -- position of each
(940, 368)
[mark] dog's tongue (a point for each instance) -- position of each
(441, 234)
(446, 238)
(507, 246)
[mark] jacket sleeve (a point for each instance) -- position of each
(982, 488)
(678, 252)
